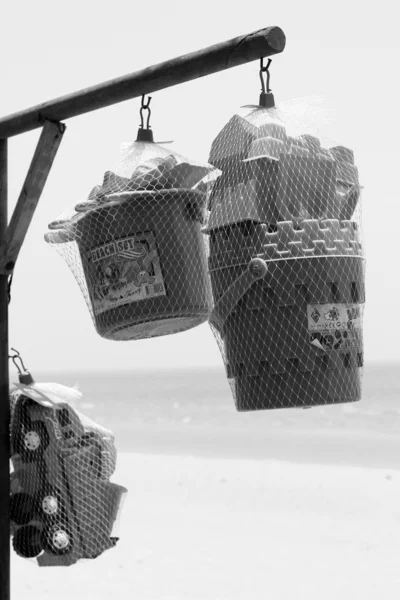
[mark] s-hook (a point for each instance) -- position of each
(145, 106)
(14, 358)
(266, 97)
(145, 134)
(265, 87)
(24, 375)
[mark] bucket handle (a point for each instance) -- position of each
(256, 269)
(349, 203)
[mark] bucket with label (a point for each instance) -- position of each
(286, 265)
(137, 249)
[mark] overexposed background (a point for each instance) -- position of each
(346, 52)
(285, 504)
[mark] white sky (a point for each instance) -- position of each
(346, 52)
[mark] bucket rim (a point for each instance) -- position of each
(120, 197)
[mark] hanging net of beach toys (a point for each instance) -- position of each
(286, 258)
(63, 506)
(135, 246)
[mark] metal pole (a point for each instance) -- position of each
(4, 401)
(29, 197)
(235, 52)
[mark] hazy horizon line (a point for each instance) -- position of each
(162, 368)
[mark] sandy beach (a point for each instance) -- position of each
(227, 529)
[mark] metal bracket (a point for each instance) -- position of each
(32, 188)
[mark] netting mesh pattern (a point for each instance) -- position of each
(136, 247)
(63, 506)
(286, 263)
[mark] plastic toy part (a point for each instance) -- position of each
(63, 507)
(269, 176)
(275, 357)
(137, 249)
(267, 100)
(286, 262)
(145, 135)
(57, 539)
(22, 508)
(257, 269)
(146, 269)
(27, 541)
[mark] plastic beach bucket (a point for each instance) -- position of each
(144, 262)
(288, 308)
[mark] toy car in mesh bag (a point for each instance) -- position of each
(63, 506)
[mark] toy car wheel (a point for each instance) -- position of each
(33, 441)
(58, 539)
(22, 508)
(50, 502)
(27, 541)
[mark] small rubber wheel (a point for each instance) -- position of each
(57, 539)
(27, 541)
(22, 508)
(33, 440)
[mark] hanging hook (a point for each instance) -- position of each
(145, 106)
(23, 375)
(16, 357)
(265, 88)
(145, 135)
(266, 96)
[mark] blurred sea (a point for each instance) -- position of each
(192, 412)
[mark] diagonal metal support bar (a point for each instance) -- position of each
(35, 181)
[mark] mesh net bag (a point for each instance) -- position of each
(136, 247)
(63, 506)
(286, 260)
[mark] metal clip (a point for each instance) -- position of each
(23, 375)
(145, 135)
(266, 97)
(16, 357)
(265, 87)
(145, 107)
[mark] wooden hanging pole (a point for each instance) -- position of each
(235, 52)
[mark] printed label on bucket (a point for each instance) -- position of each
(124, 271)
(334, 326)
